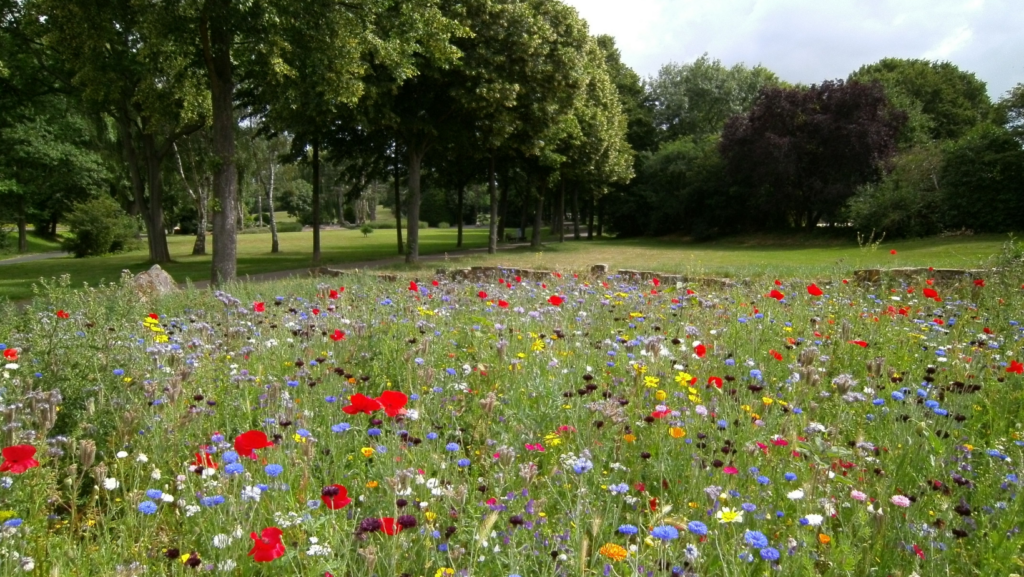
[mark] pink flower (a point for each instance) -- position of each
(900, 501)
(730, 470)
(857, 495)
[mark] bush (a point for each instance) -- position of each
(982, 179)
(383, 225)
(907, 201)
(289, 227)
(366, 230)
(443, 225)
(99, 226)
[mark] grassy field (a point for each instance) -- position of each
(513, 429)
(254, 256)
(36, 244)
(752, 256)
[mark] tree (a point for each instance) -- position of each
(803, 152)
(116, 55)
(982, 181)
(1010, 111)
(697, 98)
(952, 100)
(907, 201)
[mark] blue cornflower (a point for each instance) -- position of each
(303, 433)
(119, 372)
(790, 476)
(749, 507)
(697, 528)
(293, 384)
(764, 480)
(722, 423)
(211, 501)
(431, 436)
(897, 396)
(234, 469)
(618, 489)
(217, 438)
(274, 470)
(878, 402)
(451, 447)
(442, 547)
(147, 507)
(452, 372)
(15, 522)
(340, 427)
(665, 533)
(374, 432)
(582, 465)
(770, 554)
(755, 539)
(154, 494)
(229, 457)
(462, 462)
(331, 399)
(756, 374)
(628, 529)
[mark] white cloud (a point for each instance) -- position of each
(812, 40)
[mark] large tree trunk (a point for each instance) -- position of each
(461, 211)
(492, 238)
(600, 219)
(140, 206)
(217, 40)
(503, 204)
(398, 208)
(202, 220)
(316, 202)
(538, 215)
(560, 216)
(576, 212)
(22, 233)
(155, 232)
(590, 215)
(275, 245)
(412, 254)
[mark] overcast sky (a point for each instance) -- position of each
(812, 40)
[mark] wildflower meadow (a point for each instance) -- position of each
(576, 425)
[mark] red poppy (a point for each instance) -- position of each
(258, 307)
(481, 294)
(700, 350)
(341, 289)
(338, 335)
(555, 300)
(388, 525)
(18, 459)
(778, 282)
(814, 290)
(11, 354)
(979, 282)
(503, 304)
(931, 293)
(716, 381)
(776, 354)
(653, 504)
(267, 546)
(661, 414)
(393, 402)
(335, 497)
(247, 443)
(434, 282)
(62, 315)
(986, 330)
(861, 344)
(1015, 367)
(204, 460)
(154, 316)
(316, 312)
(413, 287)
(360, 403)
(519, 278)
(776, 295)
(656, 282)
(918, 551)
(691, 292)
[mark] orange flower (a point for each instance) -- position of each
(613, 552)
(677, 432)
(630, 438)
(824, 539)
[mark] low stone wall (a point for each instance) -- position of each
(944, 275)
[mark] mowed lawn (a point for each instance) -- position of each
(752, 256)
(254, 256)
(36, 244)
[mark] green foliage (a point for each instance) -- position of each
(908, 201)
(952, 101)
(982, 178)
(366, 229)
(1010, 111)
(99, 227)
(696, 98)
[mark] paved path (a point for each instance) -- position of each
(34, 257)
(365, 264)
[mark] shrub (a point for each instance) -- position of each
(907, 201)
(289, 227)
(366, 230)
(99, 226)
(443, 225)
